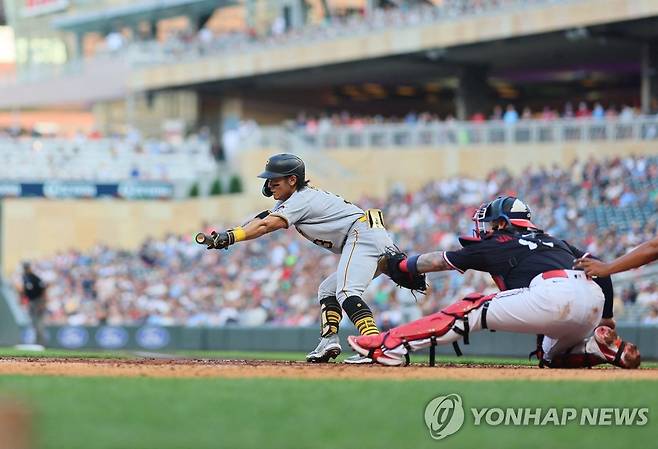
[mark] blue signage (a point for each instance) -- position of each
(110, 337)
(152, 337)
(81, 189)
(73, 337)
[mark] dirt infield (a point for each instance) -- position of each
(299, 370)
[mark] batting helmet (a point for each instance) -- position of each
(281, 165)
(511, 209)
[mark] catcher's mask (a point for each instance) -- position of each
(281, 165)
(511, 209)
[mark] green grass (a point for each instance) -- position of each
(11, 352)
(134, 413)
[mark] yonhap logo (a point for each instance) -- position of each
(444, 415)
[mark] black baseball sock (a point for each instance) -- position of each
(361, 315)
(330, 316)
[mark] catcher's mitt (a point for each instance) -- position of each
(389, 263)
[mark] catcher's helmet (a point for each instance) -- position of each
(280, 165)
(511, 209)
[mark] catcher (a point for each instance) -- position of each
(540, 294)
(333, 223)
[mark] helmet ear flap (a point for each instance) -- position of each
(266, 189)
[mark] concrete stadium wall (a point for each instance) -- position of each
(394, 41)
(34, 228)
(293, 339)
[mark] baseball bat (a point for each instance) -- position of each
(203, 239)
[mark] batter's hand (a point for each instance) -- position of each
(592, 267)
(220, 240)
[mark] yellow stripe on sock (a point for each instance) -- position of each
(367, 326)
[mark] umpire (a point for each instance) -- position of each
(35, 291)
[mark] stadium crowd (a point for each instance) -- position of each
(188, 42)
(94, 157)
(510, 115)
(273, 280)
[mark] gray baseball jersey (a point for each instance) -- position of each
(321, 217)
(343, 228)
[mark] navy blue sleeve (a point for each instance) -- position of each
(608, 292)
(471, 257)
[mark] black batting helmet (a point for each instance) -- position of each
(281, 165)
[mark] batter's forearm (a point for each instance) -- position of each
(642, 255)
(261, 226)
(430, 262)
(256, 228)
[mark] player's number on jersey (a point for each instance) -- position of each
(532, 245)
(323, 243)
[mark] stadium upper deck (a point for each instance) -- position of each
(458, 57)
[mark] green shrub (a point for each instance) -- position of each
(194, 190)
(216, 188)
(235, 186)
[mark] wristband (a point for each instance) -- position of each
(412, 264)
(239, 234)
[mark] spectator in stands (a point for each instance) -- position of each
(548, 114)
(497, 113)
(598, 112)
(568, 110)
(627, 113)
(527, 113)
(114, 42)
(583, 110)
(511, 116)
(478, 117)
(652, 316)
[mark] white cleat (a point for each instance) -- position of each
(328, 348)
(358, 359)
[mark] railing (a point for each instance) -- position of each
(463, 133)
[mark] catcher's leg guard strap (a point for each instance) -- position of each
(433, 351)
(620, 351)
(483, 316)
(361, 315)
(330, 315)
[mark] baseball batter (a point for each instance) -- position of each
(333, 223)
(540, 294)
